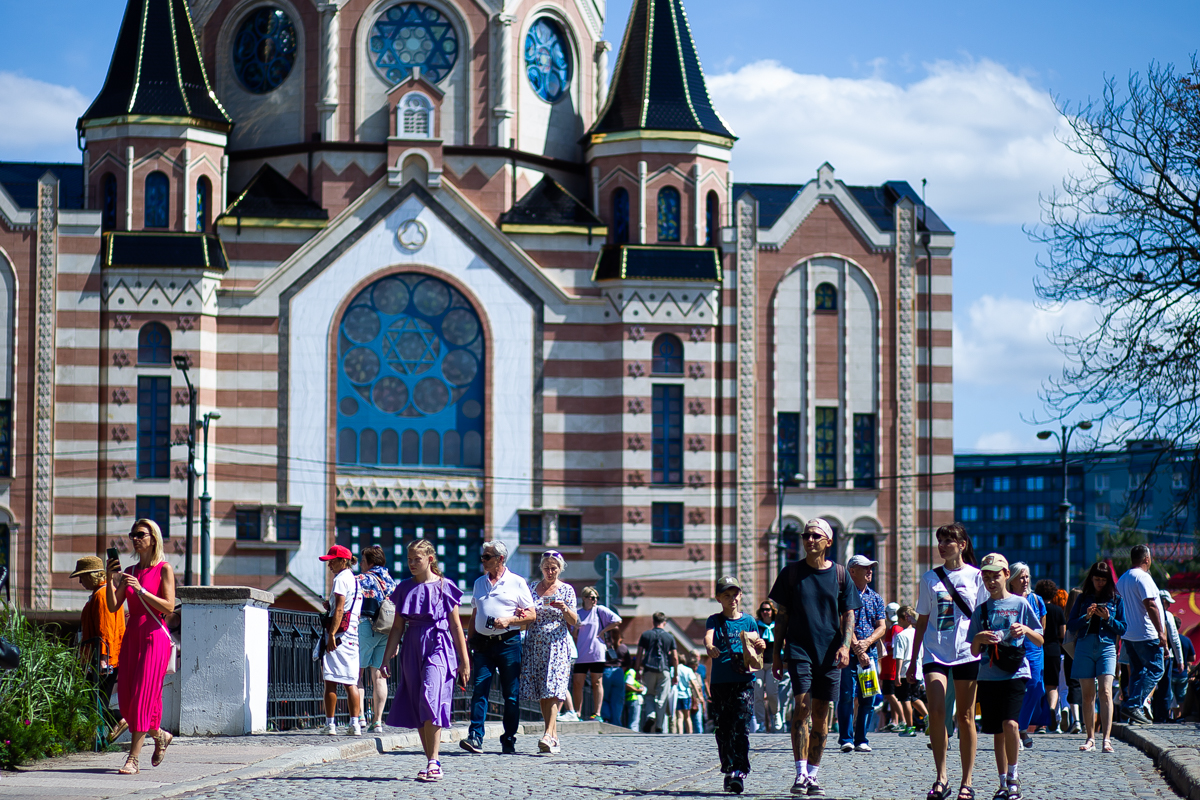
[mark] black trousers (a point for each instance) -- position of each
(732, 710)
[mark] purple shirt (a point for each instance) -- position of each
(591, 646)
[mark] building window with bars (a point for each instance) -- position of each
(529, 529)
(249, 524)
(826, 447)
(154, 427)
(570, 529)
(287, 526)
(667, 465)
(864, 451)
(787, 447)
(666, 523)
(155, 508)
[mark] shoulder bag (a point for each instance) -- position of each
(953, 590)
(385, 615)
(174, 642)
(1004, 657)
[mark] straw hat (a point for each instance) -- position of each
(87, 564)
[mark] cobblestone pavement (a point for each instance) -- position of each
(597, 767)
(1182, 734)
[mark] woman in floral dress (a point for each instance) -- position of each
(546, 651)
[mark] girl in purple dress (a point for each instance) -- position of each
(434, 651)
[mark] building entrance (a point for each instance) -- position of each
(457, 537)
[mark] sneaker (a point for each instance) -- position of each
(508, 748)
(737, 782)
(814, 789)
(568, 716)
(471, 745)
(353, 730)
(847, 748)
(908, 731)
(1138, 716)
(330, 730)
(862, 748)
(375, 727)
(1076, 727)
(800, 787)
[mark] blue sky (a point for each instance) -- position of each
(955, 92)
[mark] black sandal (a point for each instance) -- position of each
(938, 793)
(970, 793)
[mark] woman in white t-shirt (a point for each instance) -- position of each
(946, 598)
(340, 664)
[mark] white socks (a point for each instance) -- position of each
(328, 721)
(802, 768)
(1012, 772)
(812, 770)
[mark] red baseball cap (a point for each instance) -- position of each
(337, 551)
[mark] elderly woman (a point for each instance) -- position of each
(339, 667)
(100, 635)
(149, 589)
(595, 620)
(546, 652)
(1019, 583)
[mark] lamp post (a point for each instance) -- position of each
(1064, 508)
(780, 489)
(181, 363)
(206, 507)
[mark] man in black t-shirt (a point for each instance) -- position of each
(657, 659)
(816, 609)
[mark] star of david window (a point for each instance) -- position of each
(411, 35)
(546, 61)
(264, 49)
(410, 377)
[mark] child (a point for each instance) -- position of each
(732, 685)
(902, 643)
(633, 694)
(1002, 623)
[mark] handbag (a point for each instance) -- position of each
(754, 659)
(1068, 643)
(174, 642)
(10, 654)
(385, 615)
(344, 624)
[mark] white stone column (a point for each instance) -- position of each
(189, 192)
(222, 198)
(223, 674)
(907, 462)
(596, 191)
(502, 111)
(641, 202)
(129, 188)
(602, 49)
(699, 206)
(746, 221)
(331, 40)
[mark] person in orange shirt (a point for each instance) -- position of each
(100, 628)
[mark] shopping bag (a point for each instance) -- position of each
(868, 680)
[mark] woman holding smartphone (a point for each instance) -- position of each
(434, 652)
(546, 651)
(1098, 618)
(149, 589)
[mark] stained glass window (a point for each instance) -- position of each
(787, 447)
(864, 451)
(668, 214)
(410, 376)
(666, 523)
(546, 60)
(712, 218)
(411, 35)
(457, 539)
(826, 297)
(668, 355)
(264, 50)
(154, 344)
(620, 216)
(203, 201)
(108, 203)
(158, 200)
(826, 447)
(667, 459)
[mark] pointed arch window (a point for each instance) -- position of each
(158, 201)
(416, 117)
(668, 214)
(620, 216)
(264, 50)
(203, 203)
(154, 344)
(826, 299)
(108, 202)
(712, 218)
(668, 355)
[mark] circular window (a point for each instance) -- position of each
(264, 50)
(411, 35)
(546, 60)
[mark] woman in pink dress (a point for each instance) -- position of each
(434, 651)
(149, 589)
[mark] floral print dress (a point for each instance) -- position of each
(546, 651)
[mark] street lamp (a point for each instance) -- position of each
(1064, 508)
(781, 488)
(206, 507)
(181, 364)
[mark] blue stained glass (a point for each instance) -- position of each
(264, 50)
(411, 35)
(410, 376)
(668, 214)
(864, 451)
(826, 297)
(154, 427)
(154, 344)
(158, 200)
(546, 61)
(203, 193)
(620, 216)
(108, 213)
(668, 355)
(667, 449)
(712, 218)
(788, 447)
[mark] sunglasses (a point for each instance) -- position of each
(812, 537)
(487, 556)
(551, 554)
(136, 536)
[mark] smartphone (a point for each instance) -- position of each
(113, 553)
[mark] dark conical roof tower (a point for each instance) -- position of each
(658, 84)
(156, 74)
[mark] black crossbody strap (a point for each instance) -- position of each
(953, 590)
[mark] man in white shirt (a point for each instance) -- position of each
(502, 605)
(1145, 634)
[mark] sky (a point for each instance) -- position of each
(965, 95)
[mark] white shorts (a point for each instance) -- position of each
(341, 665)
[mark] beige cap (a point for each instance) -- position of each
(993, 562)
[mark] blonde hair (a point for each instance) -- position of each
(156, 534)
(424, 548)
(588, 591)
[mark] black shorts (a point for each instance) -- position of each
(594, 667)
(888, 686)
(903, 690)
(999, 701)
(958, 672)
(823, 683)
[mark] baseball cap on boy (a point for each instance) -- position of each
(993, 562)
(727, 582)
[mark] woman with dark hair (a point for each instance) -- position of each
(949, 595)
(1055, 630)
(376, 584)
(1098, 618)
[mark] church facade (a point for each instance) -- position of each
(438, 278)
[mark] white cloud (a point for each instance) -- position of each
(984, 137)
(1007, 442)
(39, 119)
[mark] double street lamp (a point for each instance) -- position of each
(181, 363)
(1065, 508)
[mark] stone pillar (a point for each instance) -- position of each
(906, 403)
(45, 305)
(223, 672)
(129, 188)
(746, 221)
(602, 50)
(641, 202)
(502, 111)
(698, 206)
(189, 191)
(331, 41)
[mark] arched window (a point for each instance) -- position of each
(620, 216)
(712, 218)
(411, 376)
(547, 62)
(158, 200)
(668, 214)
(154, 344)
(668, 355)
(264, 49)
(415, 120)
(108, 202)
(826, 297)
(203, 203)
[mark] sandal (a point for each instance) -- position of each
(423, 774)
(1088, 746)
(970, 793)
(1001, 793)
(1107, 748)
(938, 792)
(434, 771)
(161, 742)
(130, 768)
(544, 745)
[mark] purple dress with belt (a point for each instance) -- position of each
(428, 660)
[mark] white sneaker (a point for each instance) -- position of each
(568, 716)
(375, 727)
(353, 730)
(847, 748)
(330, 730)
(863, 748)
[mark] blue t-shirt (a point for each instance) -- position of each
(730, 666)
(1001, 614)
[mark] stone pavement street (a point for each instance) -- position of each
(598, 767)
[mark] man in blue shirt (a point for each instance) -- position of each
(869, 626)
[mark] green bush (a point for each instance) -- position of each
(48, 705)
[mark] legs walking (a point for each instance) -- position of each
(964, 694)
(1106, 705)
(379, 694)
(732, 708)
(481, 685)
(935, 688)
(1089, 704)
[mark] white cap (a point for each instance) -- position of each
(861, 561)
(821, 525)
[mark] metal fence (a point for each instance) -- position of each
(296, 689)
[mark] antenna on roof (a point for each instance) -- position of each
(924, 181)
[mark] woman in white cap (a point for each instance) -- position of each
(339, 666)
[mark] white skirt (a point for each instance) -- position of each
(341, 665)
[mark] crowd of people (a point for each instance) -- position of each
(822, 650)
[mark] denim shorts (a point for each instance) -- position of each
(1094, 657)
(371, 646)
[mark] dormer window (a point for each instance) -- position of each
(414, 117)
